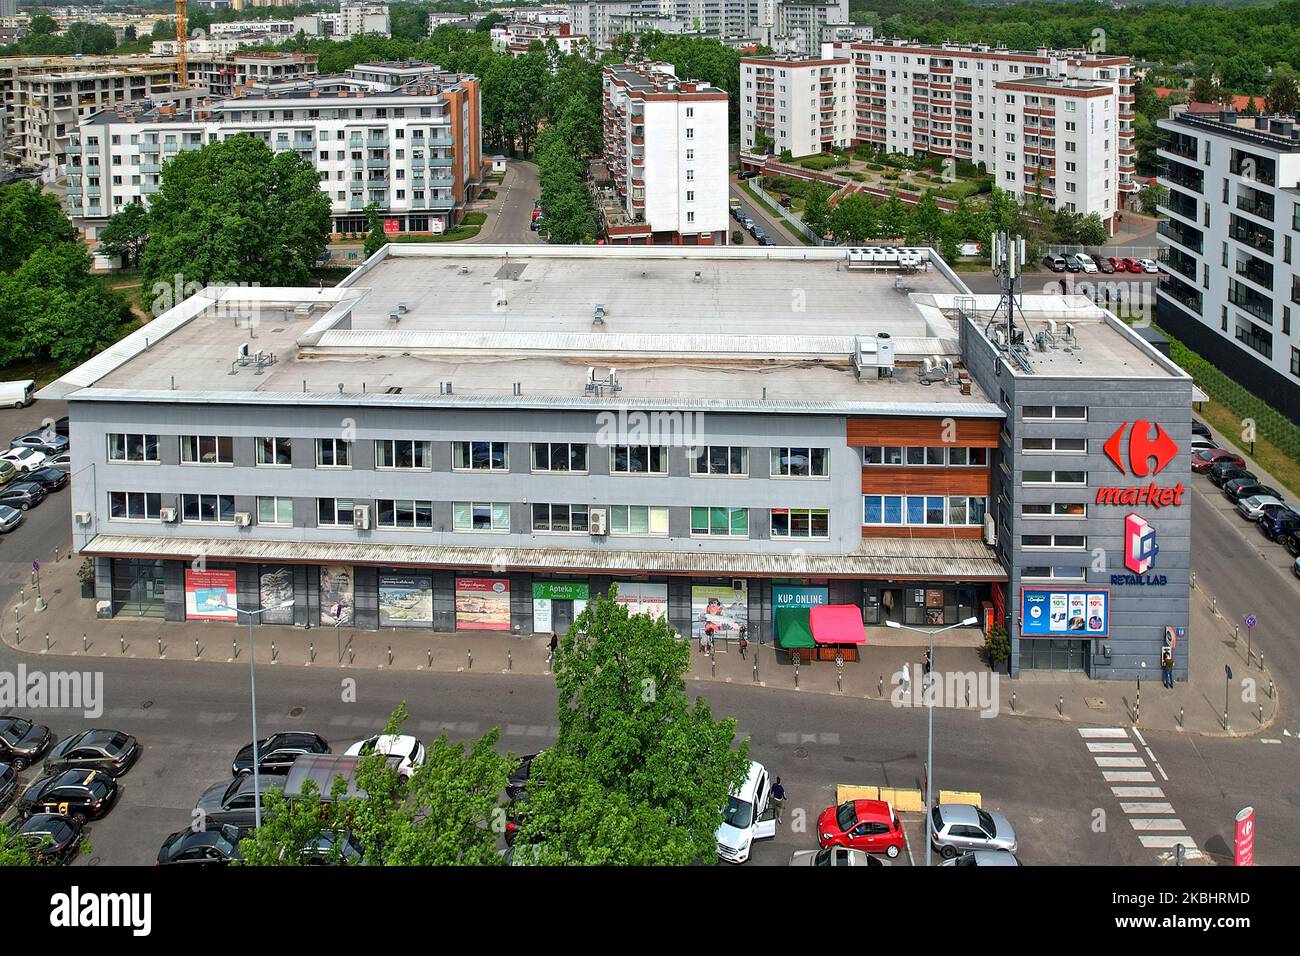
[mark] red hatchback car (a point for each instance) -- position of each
(1128, 264)
(1118, 264)
(869, 825)
(1206, 458)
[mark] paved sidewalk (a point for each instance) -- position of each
(1193, 707)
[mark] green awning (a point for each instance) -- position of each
(792, 627)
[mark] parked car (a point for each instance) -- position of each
(233, 802)
(203, 848)
(110, 751)
(1221, 473)
(867, 825)
(759, 235)
(51, 479)
(519, 777)
(766, 240)
(1295, 568)
(22, 495)
(1130, 265)
(10, 518)
(24, 459)
(1086, 262)
(984, 858)
(320, 850)
(834, 856)
(1148, 266)
(62, 462)
(1254, 507)
(79, 793)
(1281, 525)
(1240, 488)
(1200, 428)
(8, 472)
(733, 203)
(48, 443)
(49, 838)
(1105, 264)
(1202, 444)
(1072, 263)
(1203, 459)
(1054, 262)
(21, 741)
(747, 816)
(1116, 264)
(277, 752)
(749, 174)
(747, 223)
(957, 827)
(8, 784)
(17, 394)
(408, 750)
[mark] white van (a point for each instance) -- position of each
(747, 817)
(16, 394)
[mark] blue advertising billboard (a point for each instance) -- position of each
(1064, 612)
(783, 596)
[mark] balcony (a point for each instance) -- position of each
(1181, 263)
(1184, 176)
(1261, 340)
(1182, 293)
(372, 163)
(1185, 236)
(376, 142)
(154, 168)
(1181, 205)
(1251, 167)
(1184, 146)
(148, 148)
(1258, 239)
(440, 162)
(444, 182)
(434, 202)
(445, 140)
(1261, 307)
(377, 184)
(1261, 208)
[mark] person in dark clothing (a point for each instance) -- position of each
(778, 798)
(553, 646)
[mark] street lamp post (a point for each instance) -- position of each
(929, 746)
(252, 684)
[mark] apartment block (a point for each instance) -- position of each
(666, 155)
(1230, 286)
(1053, 122)
(403, 136)
(517, 36)
(803, 104)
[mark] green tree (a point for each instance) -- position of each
(29, 219)
(43, 25)
(1091, 230)
(1205, 89)
(125, 234)
(376, 238)
(927, 220)
(1282, 96)
(817, 209)
(894, 218)
(852, 220)
(234, 212)
(639, 773)
(486, 24)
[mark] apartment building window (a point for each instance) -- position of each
(207, 450)
(334, 512)
(134, 505)
(1072, 446)
(690, 217)
(560, 519)
(1068, 542)
(801, 523)
(333, 453)
(638, 460)
(403, 453)
(800, 463)
(690, 111)
(1295, 362)
(559, 456)
(404, 513)
(275, 510)
(480, 456)
(1044, 477)
(728, 460)
(690, 195)
(1072, 413)
(1054, 509)
(938, 455)
(720, 522)
(690, 177)
(690, 155)
(274, 452)
(480, 516)
(133, 448)
(210, 509)
(638, 520)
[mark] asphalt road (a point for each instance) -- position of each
(45, 527)
(775, 229)
(512, 213)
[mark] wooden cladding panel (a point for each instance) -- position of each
(922, 480)
(878, 531)
(971, 432)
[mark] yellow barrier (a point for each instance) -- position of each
(901, 799)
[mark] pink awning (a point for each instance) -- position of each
(837, 624)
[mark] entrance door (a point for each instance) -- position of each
(137, 588)
(561, 616)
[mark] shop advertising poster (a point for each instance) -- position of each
(1064, 613)
(336, 595)
(640, 597)
(210, 596)
(783, 596)
(482, 604)
(274, 587)
(720, 608)
(405, 600)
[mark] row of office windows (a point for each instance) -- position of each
(933, 510)
(941, 455)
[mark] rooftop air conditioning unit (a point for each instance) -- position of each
(167, 515)
(597, 521)
(83, 517)
(243, 519)
(361, 517)
(990, 531)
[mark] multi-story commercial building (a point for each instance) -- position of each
(605, 20)
(46, 97)
(412, 149)
(666, 155)
(1231, 265)
(402, 451)
(1053, 122)
(803, 104)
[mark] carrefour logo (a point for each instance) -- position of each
(1148, 454)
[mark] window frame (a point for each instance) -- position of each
(712, 513)
(275, 441)
(790, 514)
(650, 523)
(468, 446)
(417, 507)
(492, 513)
(778, 452)
(550, 518)
(653, 452)
(185, 519)
(126, 448)
(417, 446)
(144, 497)
(706, 452)
(550, 447)
(334, 445)
(276, 504)
(198, 449)
(334, 504)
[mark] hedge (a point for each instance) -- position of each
(1269, 422)
(822, 161)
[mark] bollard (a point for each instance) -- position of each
(469, 659)
(713, 666)
(390, 655)
(311, 651)
(796, 672)
(273, 652)
(47, 640)
(1261, 660)
(1270, 688)
(83, 642)
(431, 658)
(1236, 632)
(56, 555)
(352, 654)
(1179, 852)
(839, 680)
(160, 647)
(196, 647)
(1225, 720)
(1193, 580)
(1261, 713)
(1060, 706)
(755, 668)
(124, 644)
(22, 599)
(510, 661)
(1180, 718)
(234, 648)
(880, 686)
(1013, 702)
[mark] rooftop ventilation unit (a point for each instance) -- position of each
(873, 354)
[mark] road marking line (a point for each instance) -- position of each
(1138, 734)
(1156, 823)
(1120, 761)
(1270, 740)
(1102, 732)
(1118, 747)
(1169, 842)
(1147, 807)
(1137, 791)
(1128, 776)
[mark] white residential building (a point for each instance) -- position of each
(413, 151)
(1055, 122)
(460, 21)
(355, 19)
(516, 37)
(803, 104)
(802, 23)
(1230, 285)
(666, 154)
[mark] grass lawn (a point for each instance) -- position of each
(1271, 458)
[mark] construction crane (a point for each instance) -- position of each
(182, 42)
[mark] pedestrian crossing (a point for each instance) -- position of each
(1142, 801)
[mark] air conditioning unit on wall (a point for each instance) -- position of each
(596, 521)
(361, 517)
(167, 515)
(990, 530)
(82, 517)
(243, 519)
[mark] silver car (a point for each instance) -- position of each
(63, 462)
(961, 826)
(984, 858)
(834, 856)
(10, 518)
(1253, 508)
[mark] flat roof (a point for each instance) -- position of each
(727, 328)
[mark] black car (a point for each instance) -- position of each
(233, 803)
(81, 794)
(8, 783)
(22, 495)
(51, 479)
(1240, 488)
(1200, 428)
(277, 752)
(50, 838)
(21, 741)
(1226, 471)
(321, 850)
(202, 848)
(111, 751)
(1280, 525)
(518, 781)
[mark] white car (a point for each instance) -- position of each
(409, 750)
(1086, 262)
(1148, 265)
(984, 858)
(1255, 506)
(747, 816)
(24, 459)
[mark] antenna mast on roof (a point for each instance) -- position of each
(1007, 255)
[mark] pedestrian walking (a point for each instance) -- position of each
(553, 645)
(744, 641)
(706, 639)
(778, 798)
(905, 678)
(927, 660)
(1167, 666)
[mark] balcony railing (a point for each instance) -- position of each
(1182, 176)
(1257, 273)
(1181, 293)
(1253, 238)
(1184, 236)
(1252, 302)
